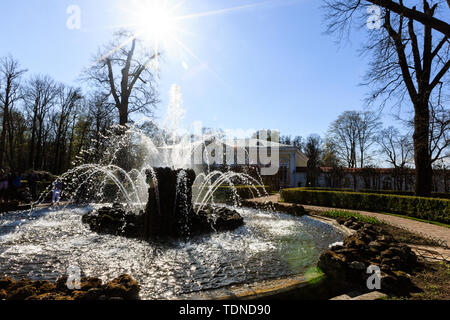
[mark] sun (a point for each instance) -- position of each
(156, 23)
(153, 21)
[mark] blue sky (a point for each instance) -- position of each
(268, 66)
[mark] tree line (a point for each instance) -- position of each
(357, 139)
(45, 124)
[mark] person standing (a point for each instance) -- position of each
(4, 179)
(57, 188)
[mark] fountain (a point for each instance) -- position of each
(136, 204)
(169, 212)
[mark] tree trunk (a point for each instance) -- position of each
(123, 112)
(4, 123)
(11, 134)
(38, 159)
(123, 118)
(33, 141)
(422, 157)
(3, 134)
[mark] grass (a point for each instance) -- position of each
(335, 214)
(433, 281)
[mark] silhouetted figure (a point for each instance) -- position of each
(4, 184)
(57, 188)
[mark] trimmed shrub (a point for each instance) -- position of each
(326, 189)
(439, 195)
(431, 209)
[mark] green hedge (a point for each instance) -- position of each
(440, 195)
(431, 209)
(325, 189)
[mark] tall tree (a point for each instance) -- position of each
(123, 69)
(367, 128)
(313, 150)
(439, 130)
(67, 99)
(397, 148)
(40, 95)
(10, 74)
(344, 135)
(329, 155)
(410, 56)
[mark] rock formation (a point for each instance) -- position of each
(169, 212)
(347, 264)
(121, 288)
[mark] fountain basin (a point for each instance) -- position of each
(269, 246)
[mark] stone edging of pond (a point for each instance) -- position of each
(370, 248)
(312, 285)
(299, 287)
(122, 288)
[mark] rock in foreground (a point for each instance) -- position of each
(121, 288)
(370, 246)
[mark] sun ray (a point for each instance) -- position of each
(156, 23)
(117, 48)
(225, 10)
(193, 55)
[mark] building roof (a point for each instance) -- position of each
(361, 170)
(254, 143)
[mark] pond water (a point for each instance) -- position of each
(44, 243)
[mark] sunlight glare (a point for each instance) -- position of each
(153, 21)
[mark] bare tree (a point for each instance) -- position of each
(343, 134)
(439, 131)
(62, 119)
(100, 116)
(40, 95)
(329, 156)
(313, 150)
(10, 74)
(397, 148)
(367, 129)
(124, 73)
(352, 135)
(17, 138)
(410, 56)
